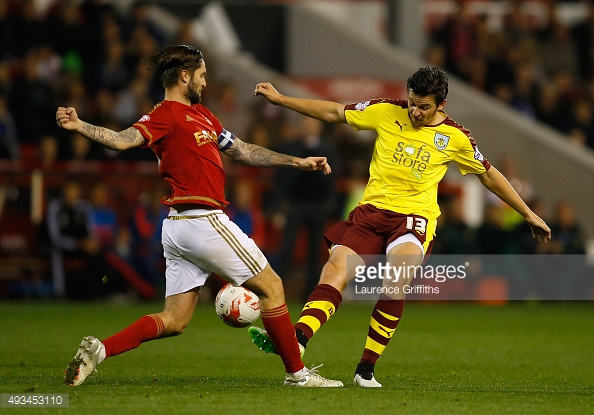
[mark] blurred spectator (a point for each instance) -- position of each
(568, 236)
(6, 30)
(145, 227)
(74, 250)
(81, 149)
(582, 120)
(306, 201)
(9, 140)
(549, 108)
(28, 28)
(138, 18)
(583, 36)
(104, 219)
(130, 102)
(47, 152)
(30, 102)
(458, 38)
(224, 103)
(490, 238)
(509, 168)
(112, 73)
(455, 236)
(556, 49)
(525, 89)
(76, 95)
(115, 249)
(520, 240)
(356, 182)
(65, 28)
(245, 211)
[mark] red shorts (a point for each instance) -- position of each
(369, 230)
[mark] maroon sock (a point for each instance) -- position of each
(384, 319)
(320, 306)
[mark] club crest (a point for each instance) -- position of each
(441, 141)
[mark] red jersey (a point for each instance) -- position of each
(187, 140)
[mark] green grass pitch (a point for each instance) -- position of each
(445, 358)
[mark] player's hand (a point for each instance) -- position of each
(540, 231)
(315, 163)
(267, 90)
(67, 118)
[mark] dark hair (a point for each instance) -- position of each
(429, 80)
(169, 62)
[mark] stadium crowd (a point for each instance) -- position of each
(89, 56)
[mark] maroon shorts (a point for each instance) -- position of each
(369, 230)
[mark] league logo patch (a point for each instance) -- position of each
(441, 141)
(477, 155)
(362, 105)
(144, 118)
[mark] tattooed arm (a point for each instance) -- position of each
(255, 155)
(119, 141)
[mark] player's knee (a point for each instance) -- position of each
(267, 284)
(273, 289)
(334, 274)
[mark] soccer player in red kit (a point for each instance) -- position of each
(397, 216)
(198, 237)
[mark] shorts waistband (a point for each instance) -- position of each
(192, 213)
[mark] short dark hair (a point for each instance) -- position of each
(429, 80)
(169, 62)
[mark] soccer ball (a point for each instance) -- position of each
(237, 306)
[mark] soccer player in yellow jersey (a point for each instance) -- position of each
(416, 141)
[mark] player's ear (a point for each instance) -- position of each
(442, 105)
(185, 76)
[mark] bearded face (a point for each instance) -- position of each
(194, 92)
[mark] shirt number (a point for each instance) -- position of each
(416, 224)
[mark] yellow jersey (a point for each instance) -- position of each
(408, 163)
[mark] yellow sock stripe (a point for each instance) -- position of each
(380, 329)
(235, 245)
(374, 346)
(313, 323)
(326, 306)
(388, 316)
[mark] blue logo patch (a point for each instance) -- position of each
(441, 141)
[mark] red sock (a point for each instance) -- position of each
(142, 330)
(277, 323)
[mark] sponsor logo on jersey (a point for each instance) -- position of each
(409, 156)
(205, 137)
(399, 125)
(441, 141)
(144, 118)
(362, 105)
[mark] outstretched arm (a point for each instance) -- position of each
(255, 155)
(119, 141)
(327, 111)
(498, 184)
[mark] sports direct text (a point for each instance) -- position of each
(387, 271)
